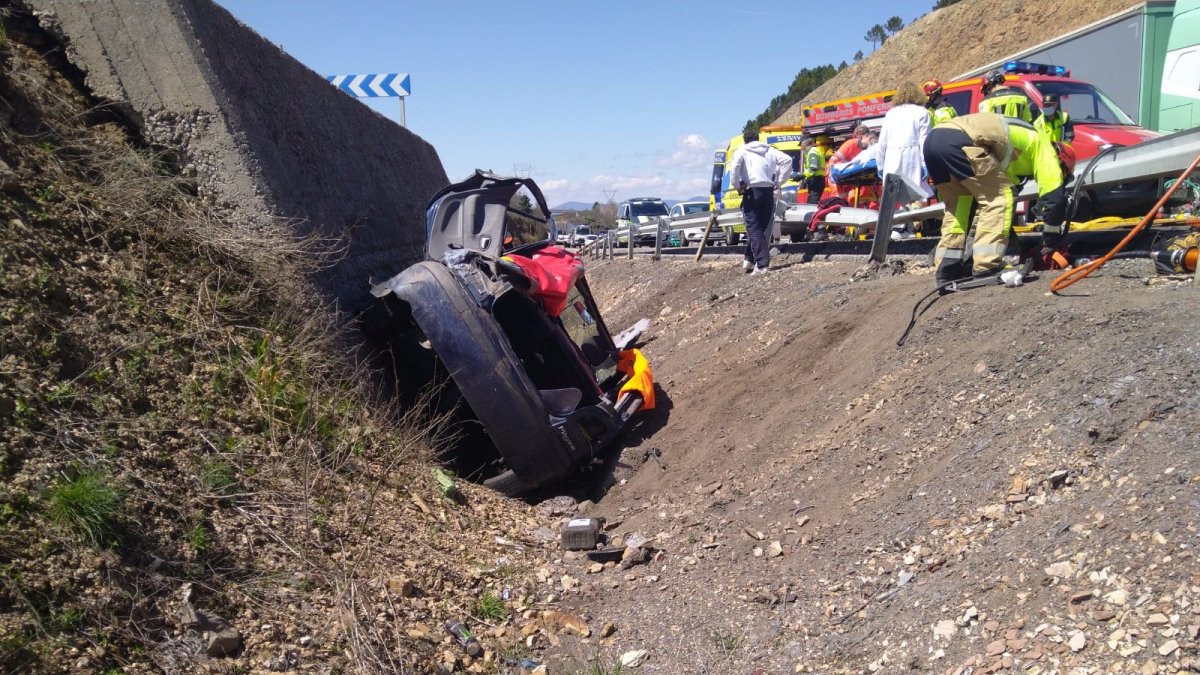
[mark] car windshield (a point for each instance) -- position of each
(694, 208)
(1085, 103)
(795, 155)
(647, 209)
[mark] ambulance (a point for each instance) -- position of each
(724, 196)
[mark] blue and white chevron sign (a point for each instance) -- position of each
(373, 86)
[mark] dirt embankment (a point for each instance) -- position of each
(1015, 490)
(948, 42)
(193, 475)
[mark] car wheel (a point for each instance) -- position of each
(507, 484)
(487, 373)
(797, 238)
(734, 238)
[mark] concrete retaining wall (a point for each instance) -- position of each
(266, 137)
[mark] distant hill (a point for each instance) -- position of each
(957, 39)
(584, 206)
(572, 206)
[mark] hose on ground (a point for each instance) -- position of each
(1079, 273)
(1074, 201)
(912, 321)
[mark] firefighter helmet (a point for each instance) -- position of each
(931, 88)
(992, 79)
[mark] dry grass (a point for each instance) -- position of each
(257, 451)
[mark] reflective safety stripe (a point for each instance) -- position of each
(962, 213)
(990, 249)
(952, 253)
(1052, 229)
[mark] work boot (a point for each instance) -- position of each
(949, 271)
(983, 274)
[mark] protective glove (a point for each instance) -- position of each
(1054, 259)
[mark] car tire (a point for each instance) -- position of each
(508, 484)
(733, 238)
(488, 374)
(797, 238)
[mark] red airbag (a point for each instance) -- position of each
(552, 270)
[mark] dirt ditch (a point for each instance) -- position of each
(1015, 489)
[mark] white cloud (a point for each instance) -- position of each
(557, 184)
(678, 172)
(653, 185)
(627, 183)
(692, 151)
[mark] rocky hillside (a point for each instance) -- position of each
(948, 42)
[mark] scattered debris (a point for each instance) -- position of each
(634, 658)
(446, 486)
(465, 638)
(580, 534)
(560, 621)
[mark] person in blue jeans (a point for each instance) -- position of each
(758, 170)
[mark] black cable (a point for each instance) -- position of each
(913, 320)
(1088, 168)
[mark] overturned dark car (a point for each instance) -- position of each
(498, 328)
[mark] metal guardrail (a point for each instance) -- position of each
(1162, 157)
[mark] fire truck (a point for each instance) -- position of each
(1097, 122)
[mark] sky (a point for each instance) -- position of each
(593, 100)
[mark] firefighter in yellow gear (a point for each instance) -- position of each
(939, 109)
(1054, 121)
(1004, 100)
(978, 158)
(812, 169)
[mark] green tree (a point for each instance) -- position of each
(893, 25)
(604, 215)
(804, 83)
(944, 3)
(525, 230)
(858, 56)
(877, 35)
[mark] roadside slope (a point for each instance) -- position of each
(194, 476)
(1009, 490)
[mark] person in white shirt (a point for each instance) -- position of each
(757, 172)
(905, 128)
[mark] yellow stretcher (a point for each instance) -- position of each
(1110, 223)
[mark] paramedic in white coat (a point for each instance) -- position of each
(905, 127)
